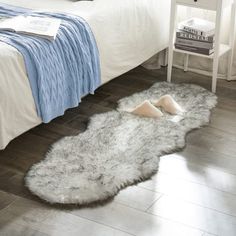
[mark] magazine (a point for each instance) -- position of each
(45, 27)
(198, 27)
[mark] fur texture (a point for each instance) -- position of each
(118, 148)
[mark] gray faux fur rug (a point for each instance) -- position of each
(118, 149)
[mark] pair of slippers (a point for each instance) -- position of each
(151, 109)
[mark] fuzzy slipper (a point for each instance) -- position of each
(147, 109)
(169, 105)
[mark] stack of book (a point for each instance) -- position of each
(196, 35)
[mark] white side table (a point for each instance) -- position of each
(220, 49)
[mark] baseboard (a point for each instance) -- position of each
(203, 72)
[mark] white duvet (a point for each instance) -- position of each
(127, 32)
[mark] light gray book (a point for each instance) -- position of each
(198, 26)
(194, 43)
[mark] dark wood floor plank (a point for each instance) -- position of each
(30, 147)
(33, 218)
(6, 199)
(211, 147)
(13, 229)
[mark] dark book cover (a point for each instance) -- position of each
(186, 35)
(194, 43)
(195, 49)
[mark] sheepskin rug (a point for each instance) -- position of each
(118, 149)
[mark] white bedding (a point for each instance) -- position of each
(127, 32)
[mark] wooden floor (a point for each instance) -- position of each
(194, 192)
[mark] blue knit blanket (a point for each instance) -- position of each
(59, 72)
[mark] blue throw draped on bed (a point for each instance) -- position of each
(62, 71)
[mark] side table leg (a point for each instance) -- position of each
(171, 38)
(217, 46)
(215, 74)
(170, 63)
(186, 59)
(231, 41)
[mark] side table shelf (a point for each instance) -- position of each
(220, 49)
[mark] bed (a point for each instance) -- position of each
(127, 32)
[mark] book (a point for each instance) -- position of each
(185, 35)
(198, 26)
(204, 51)
(194, 43)
(45, 27)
